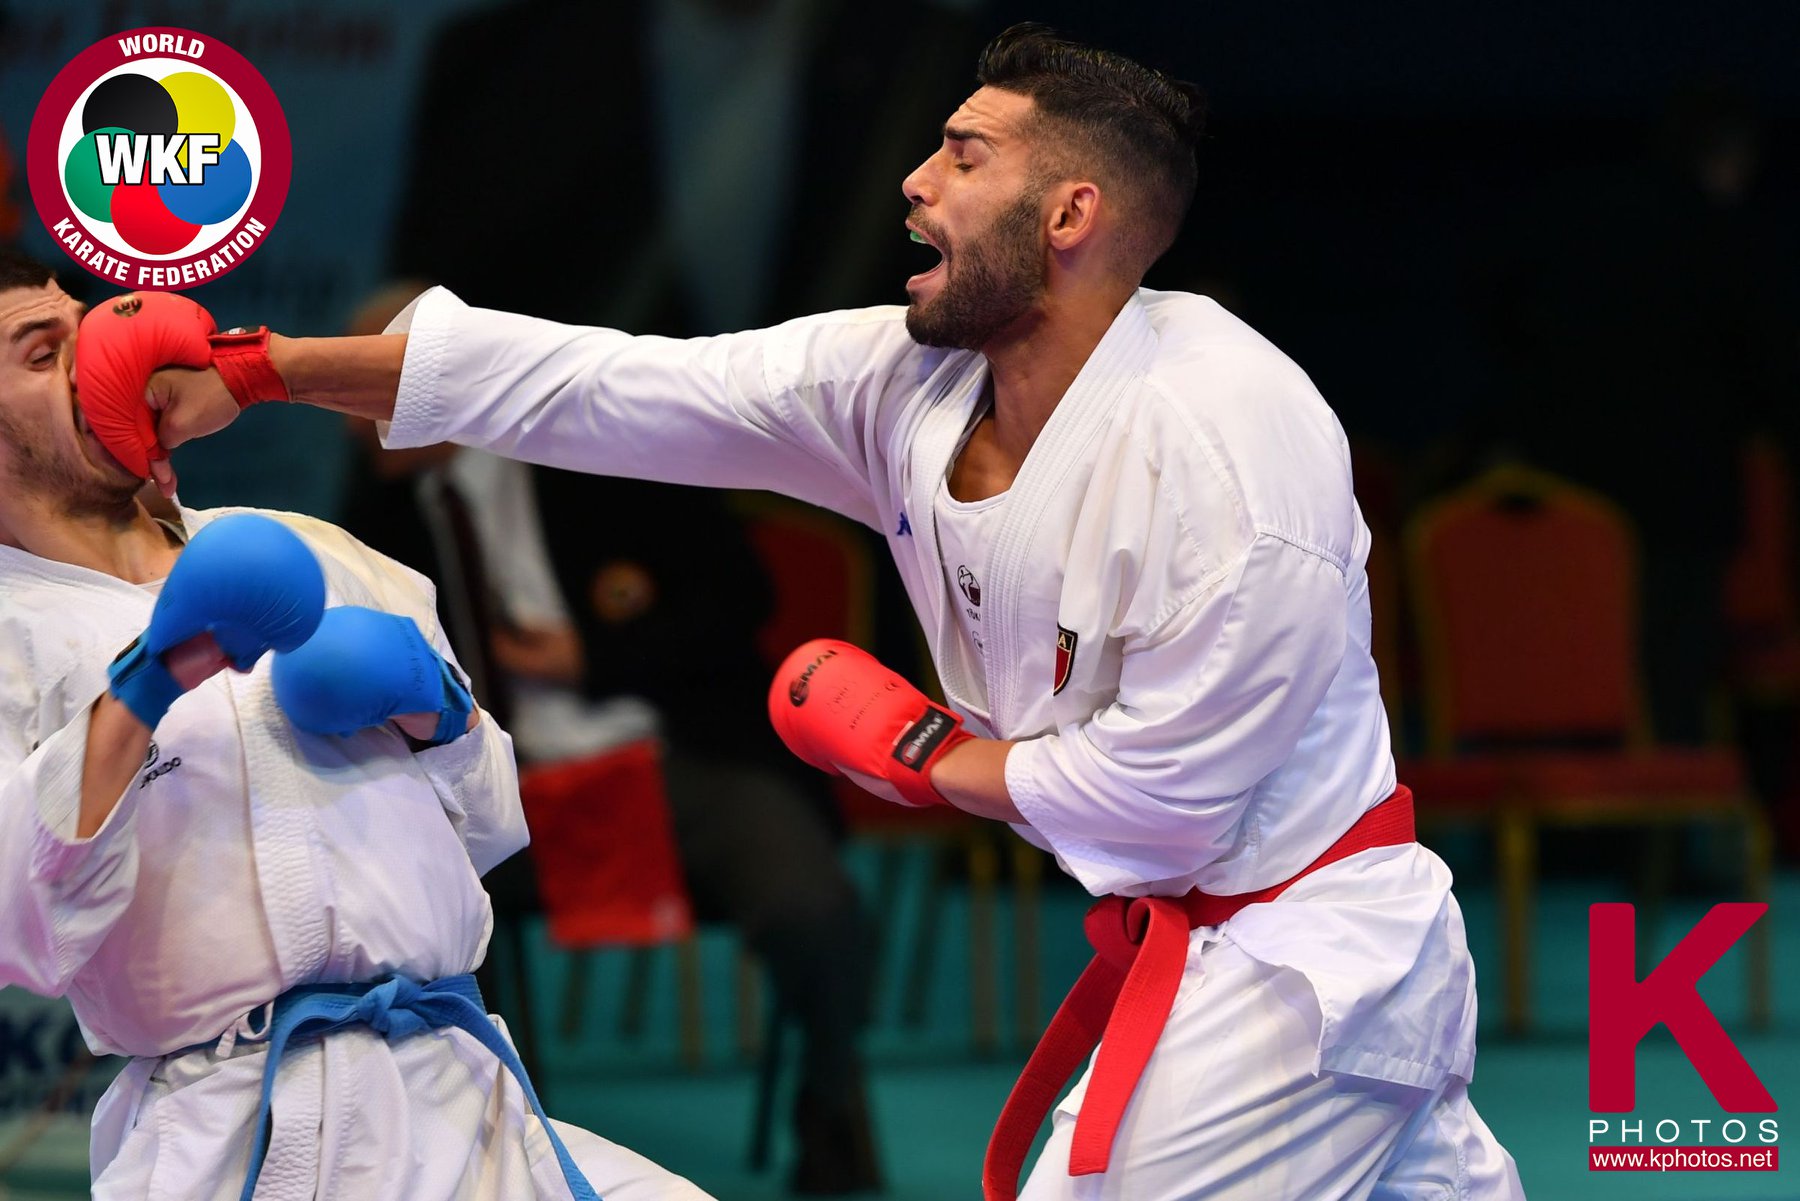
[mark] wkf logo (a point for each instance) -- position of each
(159, 158)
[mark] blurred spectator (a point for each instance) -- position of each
(669, 597)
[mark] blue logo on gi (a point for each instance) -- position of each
(905, 529)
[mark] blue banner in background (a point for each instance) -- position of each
(346, 74)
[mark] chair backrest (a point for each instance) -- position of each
(824, 582)
(820, 570)
(1761, 610)
(1759, 589)
(603, 843)
(1525, 592)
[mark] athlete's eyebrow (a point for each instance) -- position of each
(32, 327)
(962, 134)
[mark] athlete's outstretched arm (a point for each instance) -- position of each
(358, 375)
(206, 377)
(808, 408)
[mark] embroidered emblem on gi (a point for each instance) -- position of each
(971, 587)
(905, 530)
(1065, 657)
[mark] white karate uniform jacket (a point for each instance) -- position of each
(1186, 516)
(246, 858)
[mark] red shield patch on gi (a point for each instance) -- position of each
(1065, 657)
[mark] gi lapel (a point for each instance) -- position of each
(282, 828)
(1057, 459)
(934, 440)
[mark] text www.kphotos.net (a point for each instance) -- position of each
(1683, 1159)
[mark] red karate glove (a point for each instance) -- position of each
(839, 709)
(122, 341)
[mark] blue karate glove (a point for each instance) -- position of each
(246, 580)
(363, 667)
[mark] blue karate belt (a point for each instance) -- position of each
(395, 1009)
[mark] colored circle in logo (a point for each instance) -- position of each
(159, 158)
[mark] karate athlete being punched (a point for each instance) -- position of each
(1126, 522)
(181, 845)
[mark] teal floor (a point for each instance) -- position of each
(934, 1100)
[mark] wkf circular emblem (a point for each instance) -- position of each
(159, 158)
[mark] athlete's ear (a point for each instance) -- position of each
(1074, 214)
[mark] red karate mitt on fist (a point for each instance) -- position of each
(839, 709)
(124, 340)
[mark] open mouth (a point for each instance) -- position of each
(937, 256)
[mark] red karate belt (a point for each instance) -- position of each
(1140, 951)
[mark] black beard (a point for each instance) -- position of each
(995, 280)
(74, 489)
(100, 498)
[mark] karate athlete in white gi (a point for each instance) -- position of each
(176, 851)
(1126, 522)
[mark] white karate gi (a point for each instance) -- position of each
(247, 858)
(1187, 516)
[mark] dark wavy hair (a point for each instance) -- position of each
(22, 271)
(1100, 115)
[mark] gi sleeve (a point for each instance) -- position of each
(791, 409)
(1210, 701)
(475, 776)
(60, 896)
(478, 784)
